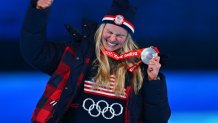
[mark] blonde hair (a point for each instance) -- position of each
(102, 78)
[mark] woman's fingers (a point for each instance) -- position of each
(153, 68)
(42, 4)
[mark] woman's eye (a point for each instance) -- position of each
(120, 36)
(110, 32)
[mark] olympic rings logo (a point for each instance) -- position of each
(108, 108)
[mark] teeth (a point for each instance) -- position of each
(111, 44)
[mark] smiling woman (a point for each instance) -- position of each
(81, 72)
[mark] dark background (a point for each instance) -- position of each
(186, 30)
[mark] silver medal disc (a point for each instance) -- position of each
(147, 54)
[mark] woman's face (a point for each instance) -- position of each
(113, 37)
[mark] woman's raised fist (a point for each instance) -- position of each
(42, 4)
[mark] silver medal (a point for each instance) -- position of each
(147, 54)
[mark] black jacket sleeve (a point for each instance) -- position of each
(155, 101)
(34, 46)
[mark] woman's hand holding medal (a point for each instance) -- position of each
(153, 68)
(150, 57)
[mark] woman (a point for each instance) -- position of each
(86, 84)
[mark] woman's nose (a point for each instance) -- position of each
(113, 37)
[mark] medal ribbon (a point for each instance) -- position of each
(131, 54)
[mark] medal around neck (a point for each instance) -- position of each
(147, 54)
